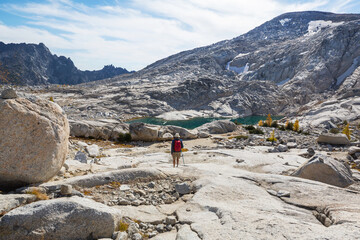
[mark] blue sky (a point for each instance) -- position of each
(135, 33)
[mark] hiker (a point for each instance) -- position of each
(176, 146)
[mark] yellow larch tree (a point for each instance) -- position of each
(268, 120)
(296, 126)
(347, 131)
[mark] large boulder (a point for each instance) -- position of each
(144, 132)
(185, 233)
(147, 132)
(218, 127)
(184, 133)
(108, 129)
(33, 141)
(72, 218)
(353, 149)
(325, 169)
(334, 139)
(93, 150)
(11, 201)
(8, 94)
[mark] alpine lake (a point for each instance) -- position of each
(196, 122)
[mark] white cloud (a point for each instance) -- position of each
(144, 31)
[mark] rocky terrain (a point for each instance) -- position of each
(114, 180)
(231, 183)
(32, 64)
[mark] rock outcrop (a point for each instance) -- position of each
(72, 218)
(218, 127)
(148, 132)
(144, 132)
(101, 129)
(335, 139)
(330, 113)
(325, 169)
(34, 141)
(183, 132)
(8, 94)
(11, 201)
(44, 67)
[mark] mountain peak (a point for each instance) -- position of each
(34, 64)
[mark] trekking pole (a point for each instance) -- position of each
(183, 158)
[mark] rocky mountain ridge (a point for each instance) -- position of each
(275, 68)
(278, 68)
(32, 64)
(215, 59)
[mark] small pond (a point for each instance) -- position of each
(196, 122)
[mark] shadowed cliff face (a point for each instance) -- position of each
(31, 64)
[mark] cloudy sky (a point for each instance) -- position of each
(135, 33)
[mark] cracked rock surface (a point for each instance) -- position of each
(229, 199)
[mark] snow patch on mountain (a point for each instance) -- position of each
(239, 70)
(348, 72)
(316, 26)
(284, 21)
(241, 55)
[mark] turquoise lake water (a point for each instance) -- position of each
(196, 122)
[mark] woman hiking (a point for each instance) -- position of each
(176, 146)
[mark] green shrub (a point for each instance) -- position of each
(274, 124)
(123, 226)
(241, 137)
(289, 126)
(256, 131)
(249, 127)
(334, 130)
(265, 124)
(282, 127)
(237, 123)
(124, 137)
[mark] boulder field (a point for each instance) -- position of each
(216, 193)
(230, 184)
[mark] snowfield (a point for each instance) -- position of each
(316, 26)
(284, 21)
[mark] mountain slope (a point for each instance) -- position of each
(213, 59)
(31, 64)
(299, 56)
(276, 68)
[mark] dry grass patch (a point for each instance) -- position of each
(106, 144)
(123, 226)
(39, 195)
